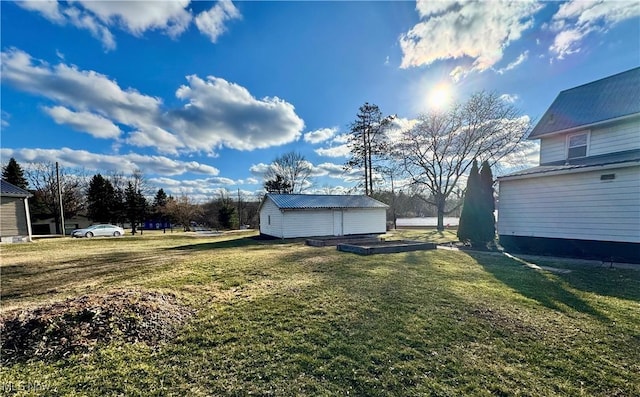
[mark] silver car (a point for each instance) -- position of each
(98, 230)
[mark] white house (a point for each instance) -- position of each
(584, 198)
(15, 221)
(310, 215)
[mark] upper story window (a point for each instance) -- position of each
(577, 145)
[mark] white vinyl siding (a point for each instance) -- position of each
(307, 223)
(363, 221)
(292, 223)
(573, 206)
(611, 139)
(270, 219)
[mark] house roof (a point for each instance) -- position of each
(630, 156)
(322, 201)
(600, 101)
(9, 190)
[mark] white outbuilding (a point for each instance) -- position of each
(313, 215)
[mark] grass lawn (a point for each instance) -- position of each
(281, 318)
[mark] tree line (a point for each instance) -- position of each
(121, 199)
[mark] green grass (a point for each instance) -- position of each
(280, 318)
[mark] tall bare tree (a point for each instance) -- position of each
(367, 142)
(438, 151)
(290, 173)
(43, 179)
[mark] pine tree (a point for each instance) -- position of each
(468, 225)
(14, 174)
(100, 199)
(487, 221)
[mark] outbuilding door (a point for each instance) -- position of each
(337, 223)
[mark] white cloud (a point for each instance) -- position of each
(521, 58)
(135, 17)
(509, 98)
(335, 151)
(126, 163)
(47, 8)
(95, 125)
(212, 23)
(460, 29)
(320, 135)
(222, 113)
(4, 120)
(577, 19)
(217, 112)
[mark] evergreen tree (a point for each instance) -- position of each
(100, 199)
(487, 219)
(368, 142)
(135, 206)
(158, 208)
(228, 216)
(477, 223)
(277, 185)
(468, 226)
(14, 174)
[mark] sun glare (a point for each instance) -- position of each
(440, 96)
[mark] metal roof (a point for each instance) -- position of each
(9, 190)
(603, 100)
(323, 201)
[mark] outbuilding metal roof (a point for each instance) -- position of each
(610, 98)
(9, 190)
(322, 201)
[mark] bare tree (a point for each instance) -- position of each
(292, 171)
(43, 179)
(183, 210)
(438, 151)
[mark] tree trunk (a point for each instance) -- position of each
(440, 207)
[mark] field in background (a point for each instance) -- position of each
(280, 318)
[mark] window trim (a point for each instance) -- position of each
(587, 145)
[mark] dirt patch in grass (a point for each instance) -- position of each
(79, 325)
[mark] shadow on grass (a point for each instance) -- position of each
(550, 290)
(33, 280)
(244, 242)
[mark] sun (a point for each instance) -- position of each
(440, 96)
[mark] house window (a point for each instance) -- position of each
(268, 219)
(577, 145)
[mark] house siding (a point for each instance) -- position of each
(574, 206)
(292, 223)
(307, 223)
(273, 228)
(621, 137)
(13, 217)
(365, 221)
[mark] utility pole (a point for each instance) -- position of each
(60, 200)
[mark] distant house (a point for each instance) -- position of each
(584, 198)
(309, 215)
(48, 225)
(15, 221)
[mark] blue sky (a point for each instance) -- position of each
(202, 96)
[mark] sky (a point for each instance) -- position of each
(203, 96)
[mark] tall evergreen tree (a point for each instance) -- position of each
(487, 219)
(158, 208)
(14, 174)
(477, 223)
(135, 206)
(368, 141)
(468, 224)
(100, 199)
